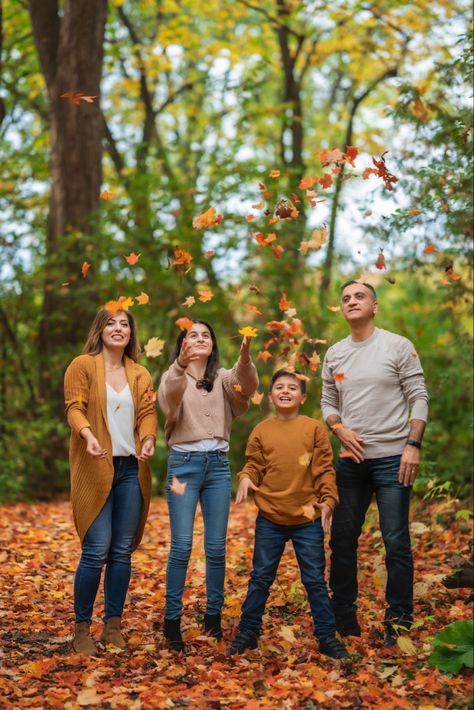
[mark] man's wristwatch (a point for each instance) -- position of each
(413, 442)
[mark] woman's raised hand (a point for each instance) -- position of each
(187, 353)
(245, 349)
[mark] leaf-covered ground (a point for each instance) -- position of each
(38, 554)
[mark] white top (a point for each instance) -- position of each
(202, 445)
(121, 420)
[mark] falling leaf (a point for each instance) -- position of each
(445, 282)
(75, 97)
(351, 154)
(277, 251)
(284, 302)
(184, 323)
(250, 217)
(189, 301)
(429, 249)
(306, 182)
(308, 511)
(209, 253)
(264, 355)
(300, 376)
(334, 309)
(305, 459)
(237, 388)
(380, 263)
(258, 206)
(290, 312)
(339, 377)
(330, 156)
(381, 171)
(181, 256)
(106, 195)
(314, 361)
(85, 268)
(177, 487)
(274, 173)
(207, 219)
(270, 238)
(257, 398)
(205, 295)
(132, 258)
(142, 298)
(154, 347)
(325, 181)
(253, 309)
(248, 331)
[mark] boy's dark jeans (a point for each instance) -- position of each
(308, 542)
(356, 484)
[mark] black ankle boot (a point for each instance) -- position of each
(172, 632)
(212, 624)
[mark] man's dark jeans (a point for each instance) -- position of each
(270, 541)
(356, 484)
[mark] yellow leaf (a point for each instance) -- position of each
(257, 398)
(205, 295)
(406, 645)
(237, 388)
(154, 347)
(248, 331)
(142, 298)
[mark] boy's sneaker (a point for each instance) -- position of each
(241, 641)
(346, 622)
(333, 648)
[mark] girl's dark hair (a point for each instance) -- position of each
(213, 364)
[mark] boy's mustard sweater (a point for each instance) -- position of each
(291, 463)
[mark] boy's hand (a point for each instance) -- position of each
(243, 489)
(326, 516)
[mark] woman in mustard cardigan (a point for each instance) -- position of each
(110, 409)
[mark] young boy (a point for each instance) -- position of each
(289, 468)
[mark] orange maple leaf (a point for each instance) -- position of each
(277, 252)
(351, 154)
(250, 217)
(330, 156)
(207, 219)
(248, 332)
(339, 377)
(258, 206)
(305, 183)
(209, 253)
(85, 268)
(274, 173)
(181, 256)
(125, 302)
(314, 361)
(284, 302)
(205, 295)
(142, 298)
(184, 323)
(132, 258)
(189, 301)
(177, 487)
(381, 171)
(257, 398)
(75, 97)
(237, 388)
(429, 249)
(325, 181)
(264, 355)
(106, 195)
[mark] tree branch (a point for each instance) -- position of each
(46, 26)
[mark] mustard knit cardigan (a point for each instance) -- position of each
(86, 406)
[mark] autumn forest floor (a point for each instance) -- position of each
(38, 554)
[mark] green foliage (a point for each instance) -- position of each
(453, 647)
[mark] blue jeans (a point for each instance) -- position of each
(270, 541)
(207, 478)
(356, 484)
(109, 541)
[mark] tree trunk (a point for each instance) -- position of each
(69, 43)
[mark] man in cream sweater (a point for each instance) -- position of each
(375, 401)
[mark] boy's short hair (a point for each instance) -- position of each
(290, 373)
(362, 283)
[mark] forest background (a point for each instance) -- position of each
(308, 142)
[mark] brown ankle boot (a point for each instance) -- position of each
(82, 641)
(111, 633)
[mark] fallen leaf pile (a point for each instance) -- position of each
(39, 553)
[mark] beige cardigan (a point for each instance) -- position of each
(86, 406)
(193, 414)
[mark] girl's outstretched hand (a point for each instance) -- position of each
(245, 349)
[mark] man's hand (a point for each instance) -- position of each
(245, 350)
(148, 449)
(409, 465)
(243, 489)
(352, 442)
(94, 449)
(326, 516)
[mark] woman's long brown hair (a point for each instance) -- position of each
(94, 343)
